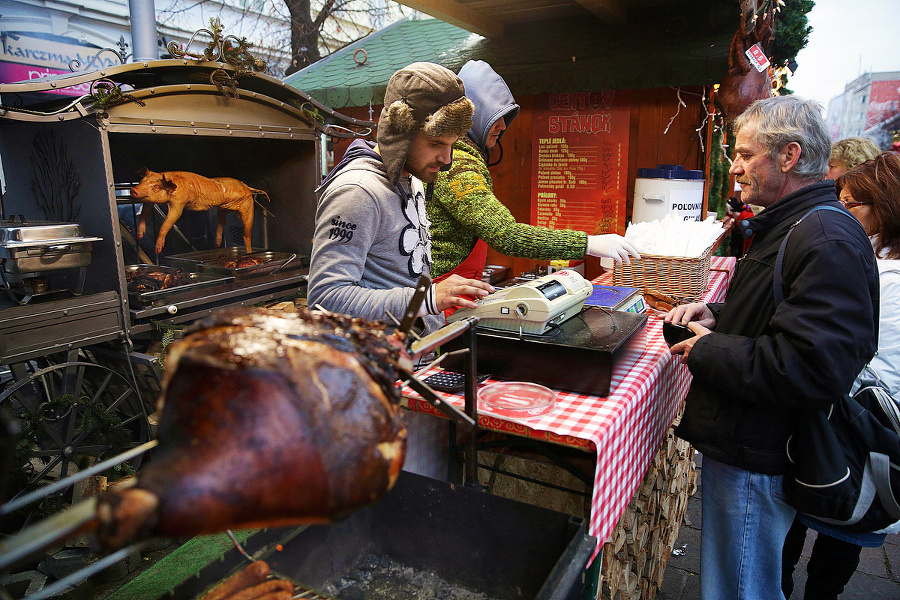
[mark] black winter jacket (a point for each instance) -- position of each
(763, 363)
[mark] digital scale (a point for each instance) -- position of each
(533, 307)
(575, 345)
(627, 299)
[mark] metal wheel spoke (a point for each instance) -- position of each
(102, 387)
(68, 386)
(116, 402)
(48, 467)
(101, 410)
(130, 420)
(93, 449)
(50, 452)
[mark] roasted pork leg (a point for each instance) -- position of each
(268, 419)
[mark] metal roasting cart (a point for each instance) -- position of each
(72, 335)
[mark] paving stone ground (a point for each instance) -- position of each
(876, 578)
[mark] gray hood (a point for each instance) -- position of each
(491, 97)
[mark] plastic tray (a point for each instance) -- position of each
(517, 399)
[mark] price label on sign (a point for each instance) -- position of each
(757, 57)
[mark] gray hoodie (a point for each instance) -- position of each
(371, 241)
(491, 97)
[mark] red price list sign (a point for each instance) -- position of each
(580, 142)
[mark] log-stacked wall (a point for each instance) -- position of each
(638, 551)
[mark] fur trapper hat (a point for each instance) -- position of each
(422, 97)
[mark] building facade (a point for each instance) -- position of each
(40, 38)
(869, 107)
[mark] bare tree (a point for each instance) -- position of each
(353, 20)
(305, 30)
(289, 34)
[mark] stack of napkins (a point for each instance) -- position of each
(673, 236)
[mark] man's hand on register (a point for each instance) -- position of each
(459, 291)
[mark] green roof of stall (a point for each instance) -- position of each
(341, 79)
(575, 54)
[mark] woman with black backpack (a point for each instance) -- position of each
(871, 192)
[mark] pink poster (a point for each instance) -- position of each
(579, 161)
(13, 72)
(884, 102)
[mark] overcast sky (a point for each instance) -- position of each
(848, 39)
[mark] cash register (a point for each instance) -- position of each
(532, 307)
(541, 331)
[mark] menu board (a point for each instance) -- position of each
(579, 161)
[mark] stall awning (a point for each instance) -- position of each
(669, 44)
(358, 74)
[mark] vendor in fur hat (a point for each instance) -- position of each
(372, 239)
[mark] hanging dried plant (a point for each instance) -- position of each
(56, 180)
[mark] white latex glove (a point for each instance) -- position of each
(611, 246)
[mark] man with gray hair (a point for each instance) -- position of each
(372, 239)
(756, 363)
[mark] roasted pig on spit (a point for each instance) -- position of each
(268, 419)
(185, 190)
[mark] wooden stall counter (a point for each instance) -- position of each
(624, 431)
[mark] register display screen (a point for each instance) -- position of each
(552, 289)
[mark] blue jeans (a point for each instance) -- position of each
(745, 521)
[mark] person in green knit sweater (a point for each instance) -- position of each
(465, 215)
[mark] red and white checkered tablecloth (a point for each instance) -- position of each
(625, 429)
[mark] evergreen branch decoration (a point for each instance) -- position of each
(310, 111)
(223, 48)
(313, 115)
(56, 180)
(105, 94)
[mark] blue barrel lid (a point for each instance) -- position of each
(669, 172)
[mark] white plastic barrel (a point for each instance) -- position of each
(665, 189)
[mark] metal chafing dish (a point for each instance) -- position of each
(35, 246)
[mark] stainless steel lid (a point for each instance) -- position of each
(15, 233)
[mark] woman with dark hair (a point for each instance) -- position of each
(871, 192)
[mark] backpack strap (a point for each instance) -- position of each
(881, 469)
(777, 287)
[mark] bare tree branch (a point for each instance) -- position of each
(297, 31)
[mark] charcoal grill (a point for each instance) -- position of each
(471, 540)
(506, 549)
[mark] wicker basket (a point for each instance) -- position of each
(676, 276)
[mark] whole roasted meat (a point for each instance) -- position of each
(243, 262)
(269, 419)
(152, 279)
